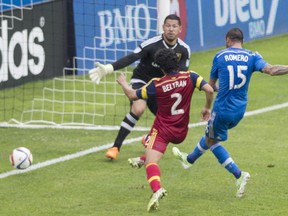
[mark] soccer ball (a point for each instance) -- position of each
(21, 158)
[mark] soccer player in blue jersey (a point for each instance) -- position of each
(232, 68)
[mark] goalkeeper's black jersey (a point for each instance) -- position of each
(146, 69)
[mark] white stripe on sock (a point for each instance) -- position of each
(127, 126)
(228, 161)
(131, 119)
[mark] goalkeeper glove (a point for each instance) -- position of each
(99, 71)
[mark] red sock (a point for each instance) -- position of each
(143, 157)
(153, 176)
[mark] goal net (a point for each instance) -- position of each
(65, 97)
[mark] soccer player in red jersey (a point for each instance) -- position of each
(173, 93)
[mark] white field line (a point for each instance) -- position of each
(106, 146)
(64, 158)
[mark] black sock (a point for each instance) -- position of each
(126, 127)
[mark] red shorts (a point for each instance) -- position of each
(159, 140)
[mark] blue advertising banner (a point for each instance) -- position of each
(107, 30)
(209, 20)
(122, 25)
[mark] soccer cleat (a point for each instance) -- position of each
(136, 162)
(154, 200)
(182, 157)
(112, 153)
(241, 184)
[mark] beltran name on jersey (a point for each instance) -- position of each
(170, 84)
(176, 84)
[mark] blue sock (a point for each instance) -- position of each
(225, 160)
(198, 151)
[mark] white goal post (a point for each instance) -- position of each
(73, 101)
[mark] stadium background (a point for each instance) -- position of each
(203, 27)
(60, 40)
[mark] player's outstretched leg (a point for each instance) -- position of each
(154, 200)
(182, 157)
(241, 183)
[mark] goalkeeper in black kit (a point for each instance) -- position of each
(144, 72)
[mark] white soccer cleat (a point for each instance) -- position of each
(136, 162)
(182, 157)
(241, 184)
(154, 200)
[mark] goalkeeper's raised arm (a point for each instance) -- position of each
(101, 70)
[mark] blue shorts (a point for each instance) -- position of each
(220, 122)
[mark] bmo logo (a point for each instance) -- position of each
(21, 53)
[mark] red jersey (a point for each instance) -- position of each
(173, 93)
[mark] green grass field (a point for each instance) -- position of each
(93, 185)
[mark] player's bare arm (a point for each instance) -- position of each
(206, 110)
(129, 92)
(213, 84)
(275, 70)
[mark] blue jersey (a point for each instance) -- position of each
(233, 67)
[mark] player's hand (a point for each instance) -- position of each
(99, 71)
(122, 80)
(205, 114)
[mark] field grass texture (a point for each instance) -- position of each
(93, 185)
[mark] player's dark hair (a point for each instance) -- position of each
(173, 17)
(235, 34)
(167, 60)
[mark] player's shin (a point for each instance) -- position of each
(225, 160)
(198, 151)
(153, 176)
(126, 127)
